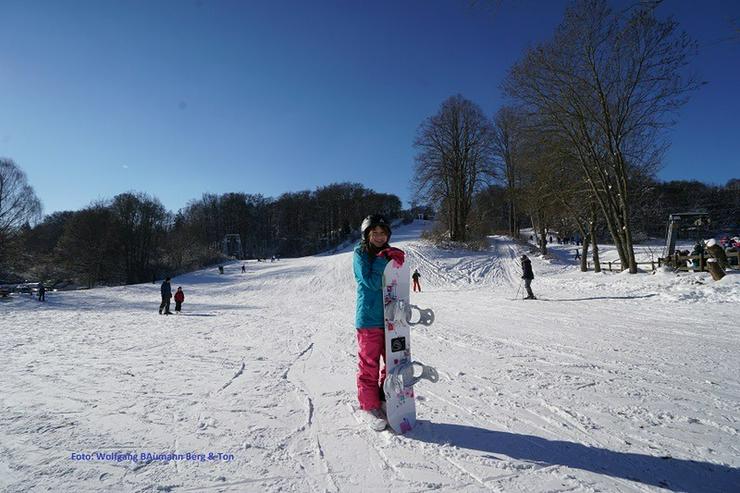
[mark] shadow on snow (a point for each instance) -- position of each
(660, 471)
(601, 298)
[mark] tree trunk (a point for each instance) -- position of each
(584, 247)
(626, 228)
(592, 233)
(513, 230)
(584, 253)
(543, 238)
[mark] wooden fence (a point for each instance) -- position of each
(679, 262)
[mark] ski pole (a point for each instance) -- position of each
(516, 297)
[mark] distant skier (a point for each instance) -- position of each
(528, 276)
(244, 269)
(578, 254)
(415, 276)
(370, 257)
(220, 269)
(166, 291)
(42, 292)
(179, 298)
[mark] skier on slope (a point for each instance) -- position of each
(528, 276)
(415, 276)
(370, 257)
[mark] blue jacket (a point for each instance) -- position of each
(369, 277)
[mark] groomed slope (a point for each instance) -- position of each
(612, 383)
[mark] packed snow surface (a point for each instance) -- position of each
(608, 382)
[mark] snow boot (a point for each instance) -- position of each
(374, 418)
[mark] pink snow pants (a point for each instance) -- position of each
(370, 378)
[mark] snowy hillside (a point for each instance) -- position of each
(609, 382)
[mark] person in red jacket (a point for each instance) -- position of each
(415, 276)
(179, 298)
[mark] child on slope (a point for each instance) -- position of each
(179, 299)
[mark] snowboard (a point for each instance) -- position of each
(400, 379)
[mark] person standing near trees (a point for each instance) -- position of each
(528, 277)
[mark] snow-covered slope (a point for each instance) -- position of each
(610, 383)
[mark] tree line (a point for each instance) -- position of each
(577, 145)
(575, 150)
(133, 238)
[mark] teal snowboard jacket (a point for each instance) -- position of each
(369, 277)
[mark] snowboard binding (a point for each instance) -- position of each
(402, 376)
(404, 312)
(426, 316)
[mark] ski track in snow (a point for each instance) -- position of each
(611, 383)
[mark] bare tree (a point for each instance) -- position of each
(19, 205)
(579, 203)
(546, 182)
(454, 160)
(508, 144)
(610, 83)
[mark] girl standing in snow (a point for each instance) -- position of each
(370, 257)
(179, 298)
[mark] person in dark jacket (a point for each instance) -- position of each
(166, 290)
(528, 276)
(415, 276)
(179, 298)
(42, 292)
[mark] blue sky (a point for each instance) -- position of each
(178, 98)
